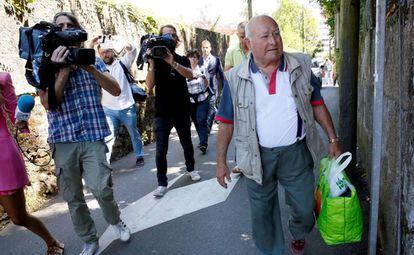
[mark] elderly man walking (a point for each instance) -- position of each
(276, 101)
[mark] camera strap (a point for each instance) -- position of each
(138, 93)
(127, 73)
(29, 65)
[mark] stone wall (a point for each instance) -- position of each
(219, 43)
(97, 17)
(397, 191)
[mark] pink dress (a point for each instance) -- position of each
(12, 169)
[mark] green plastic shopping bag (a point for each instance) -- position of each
(340, 217)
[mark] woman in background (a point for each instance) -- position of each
(13, 176)
(199, 98)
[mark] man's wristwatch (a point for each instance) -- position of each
(334, 140)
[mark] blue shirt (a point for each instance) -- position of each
(225, 112)
(79, 117)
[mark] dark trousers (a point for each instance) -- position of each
(212, 112)
(292, 167)
(163, 126)
(199, 112)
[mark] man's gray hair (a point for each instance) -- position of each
(242, 25)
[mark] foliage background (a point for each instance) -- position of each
(299, 27)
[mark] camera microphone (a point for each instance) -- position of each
(25, 105)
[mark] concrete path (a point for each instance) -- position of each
(193, 218)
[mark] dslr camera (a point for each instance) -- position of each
(158, 46)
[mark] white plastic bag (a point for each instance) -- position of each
(337, 182)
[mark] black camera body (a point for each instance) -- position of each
(36, 45)
(158, 52)
(55, 37)
(158, 46)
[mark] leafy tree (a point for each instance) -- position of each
(330, 8)
(19, 8)
(299, 28)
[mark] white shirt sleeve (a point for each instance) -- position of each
(129, 57)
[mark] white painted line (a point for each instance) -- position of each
(149, 211)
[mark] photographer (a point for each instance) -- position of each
(122, 108)
(172, 107)
(77, 128)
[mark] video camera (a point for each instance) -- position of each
(36, 45)
(158, 46)
(55, 37)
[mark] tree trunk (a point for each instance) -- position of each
(348, 66)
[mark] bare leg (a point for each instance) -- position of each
(15, 206)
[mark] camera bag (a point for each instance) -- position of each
(38, 71)
(138, 93)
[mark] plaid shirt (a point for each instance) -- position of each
(79, 116)
(196, 87)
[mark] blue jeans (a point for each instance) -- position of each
(128, 117)
(199, 114)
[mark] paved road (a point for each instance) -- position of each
(221, 228)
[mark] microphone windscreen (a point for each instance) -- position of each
(25, 103)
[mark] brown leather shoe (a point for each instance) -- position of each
(297, 247)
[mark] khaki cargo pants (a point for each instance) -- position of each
(86, 160)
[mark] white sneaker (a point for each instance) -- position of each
(122, 231)
(195, 176)
(160, 191)
(89, 248)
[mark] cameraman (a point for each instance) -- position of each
(172, 107)
(77, 128)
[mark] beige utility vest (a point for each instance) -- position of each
(243, 97)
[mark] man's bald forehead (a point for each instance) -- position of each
(257, 21)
